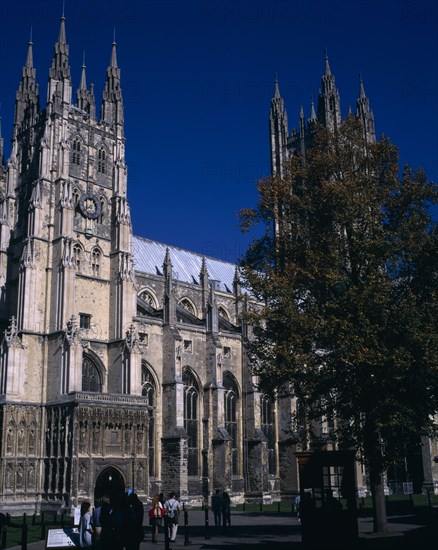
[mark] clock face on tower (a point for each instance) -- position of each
(89, 205)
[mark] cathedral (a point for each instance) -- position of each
(122, 359)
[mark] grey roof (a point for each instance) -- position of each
(149, 257)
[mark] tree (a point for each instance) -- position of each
(346, 273)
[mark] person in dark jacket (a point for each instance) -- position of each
(134, 522)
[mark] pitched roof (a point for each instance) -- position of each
(149, 257)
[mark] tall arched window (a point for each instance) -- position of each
(191, 422)
(95, 262)
(76, 155)
(269, 430)
(91, 379)
(77, 250)
(75, 201)
(148, 391)
(231, 415)
(101, 161)
(101, 218)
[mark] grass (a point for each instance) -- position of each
(34, 532)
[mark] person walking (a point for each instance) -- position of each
(156, 514)
(134, 522)
(85, 528)
(226, 509)
(172, 508)
(216, 506)
(96, 521)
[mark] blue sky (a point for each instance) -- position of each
(197, 80)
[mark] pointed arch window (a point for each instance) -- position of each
(76, 156)
(75, 201)
(101, 161)
(148, 390)
(231, 415)
(91, 379)
(191, 421)
(95, 262)
(223, 313)
(187, 304)
(101, 217)
(149, 298)
(77, 252)
(268, 429)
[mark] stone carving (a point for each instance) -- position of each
(31, 476)
(82, 474)
(96, 438)
(72, 332)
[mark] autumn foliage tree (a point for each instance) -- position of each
(346, 275)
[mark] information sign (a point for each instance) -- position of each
(62, 538)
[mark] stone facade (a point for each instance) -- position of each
(122, 360)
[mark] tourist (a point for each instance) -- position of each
(85, 529)
(134, 522)
(216, 506)
(156, 514)
(172, 508)
(226, 509)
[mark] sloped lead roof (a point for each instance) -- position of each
(149, 258)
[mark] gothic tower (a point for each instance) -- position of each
(66, 250)
(285, 143)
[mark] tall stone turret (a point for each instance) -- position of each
(365, 115)
(278, 131)
(329, 103)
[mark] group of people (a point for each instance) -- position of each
(221, 506)
(113, 525)
(169, 510)
(117, 524)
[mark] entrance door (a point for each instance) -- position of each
(109, 482)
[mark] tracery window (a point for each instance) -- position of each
(191, 422)
(148, 297)
(91, 379)
(231, 425)
(101, 161)
(95, 262)
(268, 429)
(187, 304)
(223, 313)
(148, 391)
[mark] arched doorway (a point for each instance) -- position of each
(109, 482)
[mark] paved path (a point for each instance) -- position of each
(255, 530)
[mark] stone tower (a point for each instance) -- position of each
(66, 250)
(285, 143)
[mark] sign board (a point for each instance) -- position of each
(62, 538)
(77, 516)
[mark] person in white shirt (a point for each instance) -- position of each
(172, 508)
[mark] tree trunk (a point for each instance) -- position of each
(378, 495)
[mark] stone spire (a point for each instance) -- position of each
(169, 310)
(59, 88)
(329, 103)
(278, 127)
(112, 103)
(27, 97)
(365, 114)
(312, 118)
(84, 98)
(60, 69)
